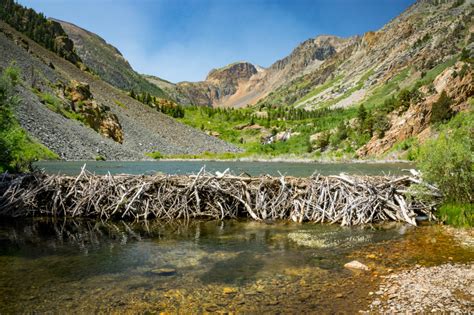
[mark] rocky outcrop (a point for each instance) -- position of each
(95, 115)
(456, 81)
(232, 74)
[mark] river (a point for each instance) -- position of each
(298, 169)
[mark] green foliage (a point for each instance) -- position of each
(36, 26)
(410, 146)
(431, 74)
(441, 110)
(362, 113)
(163, 105)
(57, 106)
(381, 124)
(448, 161)
(319, 89)
(323, 140)
(155, 155)
(342, 133)
(385, 91)
(466, 56)
(457, 214)
(18, 150)
(100, 158)
(120, 104)
(457, 3)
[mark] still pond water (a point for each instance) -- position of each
(237, 168)
(87, 267)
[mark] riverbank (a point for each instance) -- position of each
(440, 283)
(286, 159)
(447, 288)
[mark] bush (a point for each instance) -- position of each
(17, 150)
(448, 161)
(457, 214)
(381, 124)
(155, 155)
(441, 110)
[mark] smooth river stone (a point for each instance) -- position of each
(356, 265)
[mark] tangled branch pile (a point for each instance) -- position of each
(333, 199)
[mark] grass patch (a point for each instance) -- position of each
(54, 104)
(431, 74)
(383, 92)
(318, 90)
(120, 104)
(155, 155)
(457, 214)
(410, 146)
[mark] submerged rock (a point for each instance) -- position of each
(356, 265)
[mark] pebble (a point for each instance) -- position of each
(229, 290)
(441, 289)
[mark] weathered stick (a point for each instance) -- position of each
(348, 200)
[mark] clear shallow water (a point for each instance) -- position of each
(88, 266)
(251, 168)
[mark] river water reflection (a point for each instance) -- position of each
(89, 266)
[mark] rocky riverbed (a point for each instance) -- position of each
(447, 288)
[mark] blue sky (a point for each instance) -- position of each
(182, 40)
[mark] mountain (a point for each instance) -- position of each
(79, 116)
(405, 60)
(107, 61)
(412, 74)
(240, 84)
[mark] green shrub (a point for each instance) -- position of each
(457, 214)
(155, 155)
(17, 150)
(100, 158)
(448, 161)
(441, 110)
(381, 124)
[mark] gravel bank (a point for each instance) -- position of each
(440, 289)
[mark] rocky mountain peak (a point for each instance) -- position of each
(319, 48)
(232, 73)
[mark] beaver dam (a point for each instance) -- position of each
(347, 200)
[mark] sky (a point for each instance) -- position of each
(182, 40)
